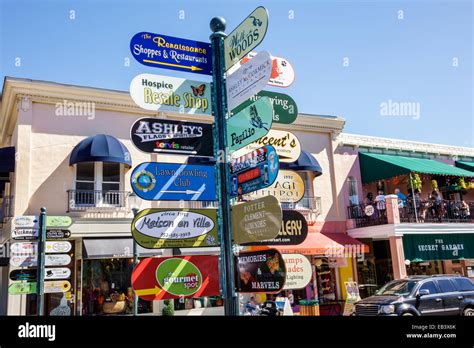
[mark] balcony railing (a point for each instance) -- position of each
(309, 207)
(438, 212)
(6, 209)
(93, 200)
(367, 214)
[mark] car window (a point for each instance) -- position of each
(396, 288)
(463, 284)
(429, 286)
(445, 285)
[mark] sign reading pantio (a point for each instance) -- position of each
(164, 93)
(175, 228)
(161, 51)
(153, 135)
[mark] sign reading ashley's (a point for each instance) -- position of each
(168, 52)
(246, 36)
(164, 93)
(153, 135)
(175, 228)
(174, 277)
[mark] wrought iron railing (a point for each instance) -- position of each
(367, 214)
(309, 207)
(442, 211)
(87, 200)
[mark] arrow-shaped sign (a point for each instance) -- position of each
(152, 291)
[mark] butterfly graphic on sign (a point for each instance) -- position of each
(256, 22)
(256, 120)
(198, 91)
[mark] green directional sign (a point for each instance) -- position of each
(250, 124)
(58, 221)
(285, 109)
(20, 288)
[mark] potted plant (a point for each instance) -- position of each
(168, 310)
(415, 182)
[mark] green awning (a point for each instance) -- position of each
(465, 165)
(421, 247)
(376, 167)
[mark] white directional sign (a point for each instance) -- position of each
(29, 221)
(57, 273)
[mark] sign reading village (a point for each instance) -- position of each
(153, 135)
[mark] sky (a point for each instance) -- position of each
(397, 69)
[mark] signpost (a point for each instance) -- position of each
(287, 188)
(57, 234)
(151, 135)
(173, 182)
(168, 52)
(298, 271)
(165, 93)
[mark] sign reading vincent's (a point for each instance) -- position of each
(153, 135)
(164, 93)
(287, 188)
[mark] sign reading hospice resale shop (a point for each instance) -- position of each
(168, 52)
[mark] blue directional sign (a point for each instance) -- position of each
(168, 52)
(174, 182)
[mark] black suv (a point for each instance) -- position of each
(421, 295)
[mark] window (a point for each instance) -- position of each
(445, 285)
(463, 284)
(431, 286)
(85, 176)
(352, 185)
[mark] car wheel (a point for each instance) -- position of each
(468, 312)
(407, 314)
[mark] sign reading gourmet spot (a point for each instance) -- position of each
(287, 188)
(174, 277)
(175, 228)
(168, 52)
(153, 135)
(164, 93)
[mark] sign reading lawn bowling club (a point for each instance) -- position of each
(174, 182)
(285, 109)
(164, 93)
(256, 220)
(161, 51)
(57, 273)
(21, 288)
(32, 260)
(248, 80)
(56, 286)
(298, 271)
(287, 188)
(153, 135)
(250, 124)
(253, 171)
(175, 228)
(246, 36)
(174, 277)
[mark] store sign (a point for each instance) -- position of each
(58, 221)
(253, 171)
(285, 109)
(426, 247)
(260, 271)
(165, 93)
(248, 80)
(175, 228)
(57, 234)
(32, 260)
(246, 36)
(25, 233)
(369, 210)
(29, 221)
(21, 288)
(298, 271)
(167, 52)
(287, 188)
(55, 286)
(174, 277)
(293, 231)
(57, 260)
(152, 135)
(58, 247)
(256, 220)
(24, 248)
(57, 273)
(23, 274)
(174, 182)
(285, 143)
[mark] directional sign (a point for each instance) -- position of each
(25, 233)
(56, 286)
(58, 221)
(286, 145)
(175, 277)
(253, 171)
(285, 109)
(58, 247)
(32, 260)
(173, 182)
(152, 135)
(22, 288)
(175, 228)
(164, 93)
(161, 51)
(57, 273)
(250, 124)
(246, 36)
(287, 188)
(24, 274)
(57, 260)
(256, 220)
(298, 271)
(57, 234)
(29, 221)
(249, 79)
(24, 248)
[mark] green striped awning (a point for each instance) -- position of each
(465, 165)
(375, 167)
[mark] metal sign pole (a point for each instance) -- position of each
(219, 106)
(41, 247)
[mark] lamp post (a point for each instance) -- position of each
(134, 203)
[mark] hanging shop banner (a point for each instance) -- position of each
(57, 234)
(174, 182)
(29, 221)
(32, 260)
(426, 247)
(175, 228)
(260, 271)
(165, 93)
(24, 274)
(287, 188)
(285, 109)
(293, 231)
(58, 221)
(57, 247)
(253, 171)
(55, 286)
(298, 271)
(24, 248)
(167, 52)
(22, 288)
(286, 144)
(249, 79)
(246, 36)
(25, 234)
(174, 277)
(256, 220)
(152, 135)
(249, 125)
(57, 273)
